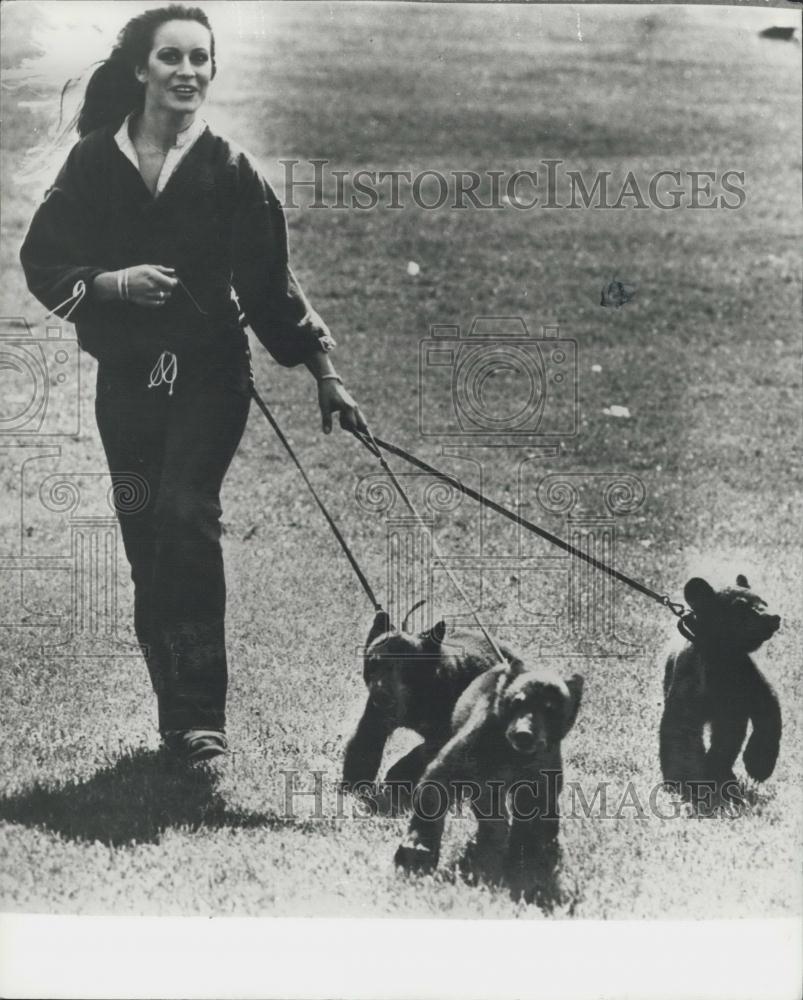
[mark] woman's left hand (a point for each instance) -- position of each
(332, 397)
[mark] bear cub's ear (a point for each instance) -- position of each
(380, 626)
(741, 581)
(437, 633)
(575, 686)
(698, 593)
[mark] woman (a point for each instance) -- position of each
(151, 223)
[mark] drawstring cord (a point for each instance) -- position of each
(165, 371)
(78, 293)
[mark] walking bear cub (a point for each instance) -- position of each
(414, 682)
(712, 680)
(505, 755)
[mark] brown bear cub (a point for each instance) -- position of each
(712, 680)
(505, 757)
(414, 682)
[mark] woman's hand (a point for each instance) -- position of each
(147, 285)
(333, 397)
(150, 285)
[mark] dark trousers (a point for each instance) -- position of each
(167, 457)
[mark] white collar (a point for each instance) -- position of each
(184, 140)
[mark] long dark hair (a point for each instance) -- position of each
(113, 90)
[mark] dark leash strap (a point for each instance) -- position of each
(366, 586)
(373, 444)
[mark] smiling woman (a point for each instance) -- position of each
(150, 225)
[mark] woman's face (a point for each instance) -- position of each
(179, 67)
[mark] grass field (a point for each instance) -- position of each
(706, 358)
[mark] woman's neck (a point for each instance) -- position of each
(161, 127)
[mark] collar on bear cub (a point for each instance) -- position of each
(685, 623)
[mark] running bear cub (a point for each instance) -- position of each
(507, 730)
(413, 682)
(713, 680)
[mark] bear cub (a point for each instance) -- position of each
(713, 681)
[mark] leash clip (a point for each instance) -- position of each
(679, 610)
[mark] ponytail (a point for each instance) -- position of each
(112, 93)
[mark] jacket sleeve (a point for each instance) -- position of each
(274, 304)
(59, 250)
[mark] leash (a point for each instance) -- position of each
(373, 447)
(366, 586)
(374, 444)
(263, 406)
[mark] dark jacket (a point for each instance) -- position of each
(217, 222)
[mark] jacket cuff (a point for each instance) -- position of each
(323, 335)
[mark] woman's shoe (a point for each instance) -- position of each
(194, 745)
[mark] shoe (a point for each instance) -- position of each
(194, 745)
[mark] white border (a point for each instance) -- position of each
(109, 957)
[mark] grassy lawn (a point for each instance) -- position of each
(705, 358)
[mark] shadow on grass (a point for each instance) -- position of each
(135, 800)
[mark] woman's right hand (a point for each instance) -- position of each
(147, 285)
